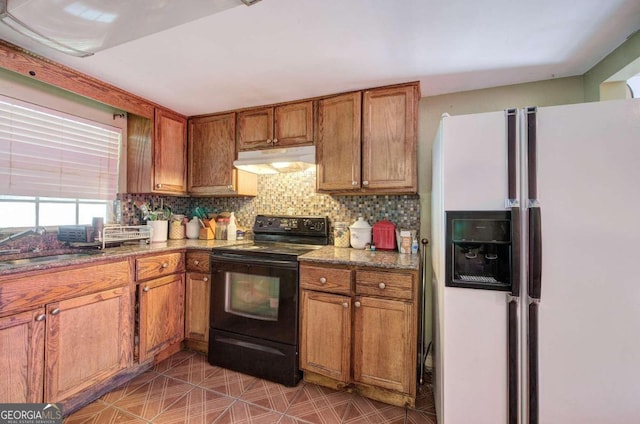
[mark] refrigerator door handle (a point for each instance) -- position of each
(512, 155)
(532, 352)
(535, 253)
(512, 370)
(516, 234)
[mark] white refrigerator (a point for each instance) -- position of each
(562, 345)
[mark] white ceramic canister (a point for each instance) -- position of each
(159, 230)
(360, 233)
(193, 228)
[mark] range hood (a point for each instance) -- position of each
(274, 161)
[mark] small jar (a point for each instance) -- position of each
(341, 234)
(176, 227)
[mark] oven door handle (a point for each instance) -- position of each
(244, 259)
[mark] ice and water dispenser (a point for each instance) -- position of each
(479, 250)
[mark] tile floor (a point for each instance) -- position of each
(185, 388)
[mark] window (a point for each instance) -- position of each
(55, 168)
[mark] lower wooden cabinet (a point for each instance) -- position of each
(88, 339)
(161, 314)
(364, 340)
(197, 295)
(22, 357)
(50, 354)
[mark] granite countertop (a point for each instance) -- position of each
(349, 256)
(60, 258)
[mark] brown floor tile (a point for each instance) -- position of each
(129, 387)
(173, 360)
(247, 413)
(286, 419)
(192, 370)
(418, 417)
(228, 382)
(106, 415)
(364, 411)
(317, 404)
(196, 407)
(271, 395)
(154, 397)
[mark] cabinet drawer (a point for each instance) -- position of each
(159, 265)
(333, 280)
(198, 262)
(387, 284)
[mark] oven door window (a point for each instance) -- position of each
(252, 296)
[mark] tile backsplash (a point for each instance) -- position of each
(287, 194)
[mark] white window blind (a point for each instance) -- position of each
(50, 153)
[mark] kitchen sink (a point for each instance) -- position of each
(37, 260)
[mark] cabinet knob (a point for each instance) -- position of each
(365, 183)
(230, 187)
(56, 311)
(275, 141)
(146, 289)
(269, 141)
(158, 185)
(165, 264)
(345, 305)
(357, 304)
(41, 317)
(323, 280)
(205, 279)
(354, 183)
(382, 285)
(196, 262)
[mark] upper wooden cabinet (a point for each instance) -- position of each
(338, 147)
(271, 127)
(157, 153)
(369, 144)
(212, 150)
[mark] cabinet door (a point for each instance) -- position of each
(170, 153)
(255, 129)
(198, 292)
(161, 309)
(389, 140)
(293, 124)
(88, 339)
(384, 344)
(325, 334)
(338, 144)
(22, 357)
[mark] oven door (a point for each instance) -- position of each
(255, 296)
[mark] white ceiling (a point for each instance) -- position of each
(280, 50)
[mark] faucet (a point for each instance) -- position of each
(37, 230)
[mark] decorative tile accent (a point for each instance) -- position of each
(288, 194)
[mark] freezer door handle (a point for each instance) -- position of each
(532, 352)
(516, 234)
(512, 139)
(532, 148)
(514, 380)
(535, 253)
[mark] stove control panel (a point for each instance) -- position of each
(274, 224)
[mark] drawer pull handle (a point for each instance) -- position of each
(323, 280)
(345, 305)
(146, 289)
(205, 279)
(165, 264)
(365, 183)
(196, 262)
(56, 311)
(41, 317)
(382, 285)
(357, 304)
